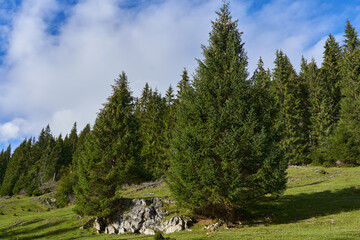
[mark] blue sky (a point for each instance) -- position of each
(59, 58)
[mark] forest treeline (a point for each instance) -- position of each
(222, 140)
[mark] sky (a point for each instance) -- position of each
(58, 58)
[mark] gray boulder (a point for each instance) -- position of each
(144, 216)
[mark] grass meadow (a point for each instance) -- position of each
(316, 205)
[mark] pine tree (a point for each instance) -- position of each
(70, 143)
(289, 92)
(281, 75)
(224, 155)
(309, 74)
(183, 83)
(295, 137)
(111, 156)
(351, 41)
(326, 94)
(80, 145)
(261, 77)
(4, 160)
(151, 115)
(350, 105)
(16, 169)
(55, 166)
(69, 180)
(343, 145)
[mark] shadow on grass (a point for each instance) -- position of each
(27, 230)
(293, 208)
(305, 185)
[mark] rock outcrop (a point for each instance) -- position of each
(145, 216)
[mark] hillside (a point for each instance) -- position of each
(316, 205)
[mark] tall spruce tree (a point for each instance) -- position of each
(344, 143)
(281, 75)
(224, 155)
(295, 136)
(151, 116)
(288, 90)
(326, 95)
(70, 179)
(111, 156)
(351, 41)
(309, 74)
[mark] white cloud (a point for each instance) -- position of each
(13, 129)
(61, 79)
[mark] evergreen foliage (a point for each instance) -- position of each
(151, 113)
(289, 90)
(308, 75)
(351, 41)
(223, 140)
(183, 84)
(261, 77)
(344, 144)
(65, 189)
(110, 157)
(4, 160)
(16, 169)
(224, 153)
(329, 87)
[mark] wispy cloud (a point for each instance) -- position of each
(65, 77)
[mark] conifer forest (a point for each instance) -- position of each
(222, 139)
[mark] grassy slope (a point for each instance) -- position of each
(315, 206)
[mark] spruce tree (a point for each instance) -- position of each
(55, 165)
(261, 77)
(183, 83)
(4, 160)
(343, 144)
(326, 95)
(224, 153)
(309, 75)
(289, 91)
(69, 180)
(17, 169)
(351, 41)
(152, 132)
(295, 137)
(80, 145)
(110, 157)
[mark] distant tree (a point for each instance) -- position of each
(80, 145)
(261, 77)
(289, 91)
(55, 166)
(16, 169)
(69, 180)
(70, 143)
(326, 95)
(308, 75)
(351, 41)
(343, 144)
(4, 160)
(110, 157)
(151, 116)
(183, 83)
(224, 153)
(295, 140)
(281, 75)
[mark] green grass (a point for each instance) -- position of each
(314, 206)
